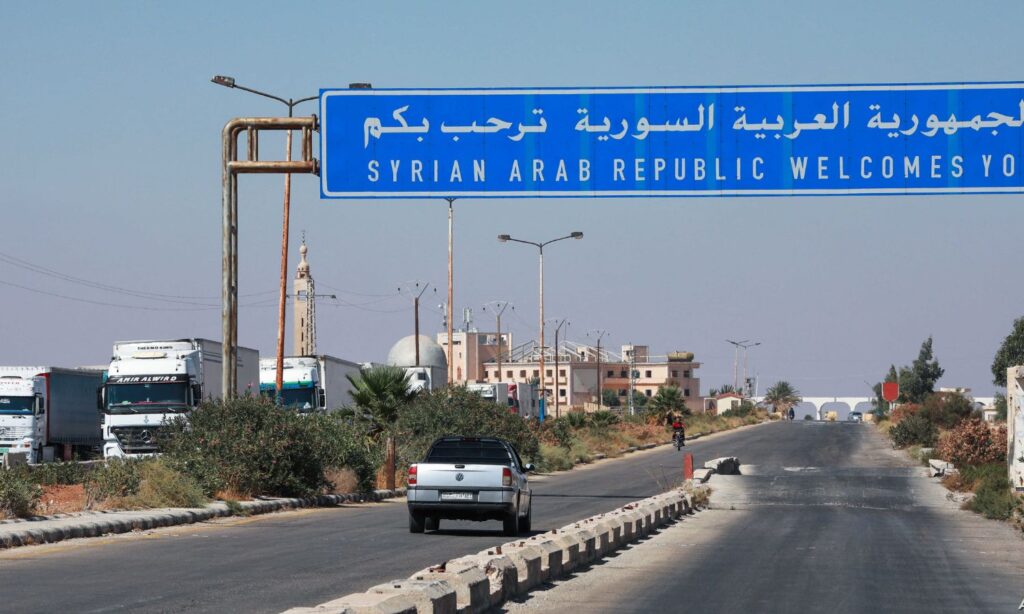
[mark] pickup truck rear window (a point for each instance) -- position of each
(468, 453)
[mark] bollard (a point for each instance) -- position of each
(688, 466)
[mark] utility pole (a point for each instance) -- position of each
(557, 388)
(416, 292)
(498, 307)
(632, 379)
(600, 391)
(736, 362)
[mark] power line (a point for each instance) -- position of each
(170, 298)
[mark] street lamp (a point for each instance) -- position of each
(290, 103)
(540, 248)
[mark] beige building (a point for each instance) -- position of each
(472, 350)
(572, 381)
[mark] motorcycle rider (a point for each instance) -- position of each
(678, 430)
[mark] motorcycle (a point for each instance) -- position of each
(678, 439)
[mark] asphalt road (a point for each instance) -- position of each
(271, 563)
(828, 520)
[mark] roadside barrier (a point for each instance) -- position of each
(479, 582)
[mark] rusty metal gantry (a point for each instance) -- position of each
(230, 169)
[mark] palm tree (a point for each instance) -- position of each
(714, 392)
(668, 402)
(782, 397)
(380, 394)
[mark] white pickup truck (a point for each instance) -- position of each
(470, 478)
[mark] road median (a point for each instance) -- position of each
(485, 580)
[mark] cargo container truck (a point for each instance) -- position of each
(310, 383)
(49, 412)
(150, 382)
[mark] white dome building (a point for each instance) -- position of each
(403, 353)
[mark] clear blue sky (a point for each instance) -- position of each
(109, 171)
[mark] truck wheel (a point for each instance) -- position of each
(432, 523)
(416, 522)
(526, 523)
(511, 524)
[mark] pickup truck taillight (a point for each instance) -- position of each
(506, 476)
(412, 476)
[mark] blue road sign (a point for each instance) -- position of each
(673, 141)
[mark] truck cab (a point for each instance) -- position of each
(146, 386)
(301, 388)
(22, 403)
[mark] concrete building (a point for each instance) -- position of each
(471, 350)
(573, 381)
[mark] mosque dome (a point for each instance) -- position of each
(403, 353)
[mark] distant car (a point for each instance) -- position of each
(470, 478)
(856, 416)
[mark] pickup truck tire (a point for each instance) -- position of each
(417, 522)
(432, 523)
(511, 524)
(526, 522)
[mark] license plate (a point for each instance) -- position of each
(458, 496)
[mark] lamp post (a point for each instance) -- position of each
(736, 362)
(540, 322)
(291, 104)
(747, 346)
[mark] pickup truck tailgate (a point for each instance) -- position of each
(459, 477)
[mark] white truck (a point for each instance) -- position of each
(496, 393)
(523, 399)
(310, 383)
(149, 382)
(470, 478)
(49, 412)
(426, 378)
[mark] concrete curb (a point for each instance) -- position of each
(50, 530)
(480, 582)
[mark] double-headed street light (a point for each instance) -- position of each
(290, 103)
(540, 248)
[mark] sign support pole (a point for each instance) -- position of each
(451, 252)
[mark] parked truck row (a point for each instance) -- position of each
(50, 413)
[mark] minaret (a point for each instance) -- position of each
(304, 308)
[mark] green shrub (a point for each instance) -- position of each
(914, 429)
(115, 479)
(59, 474)
(249, 446)
(162, 486)
(973, 442)
(946, 409)
(457, 411)
(18, 494)
(992, 495)
(604, 418)
(560, 431)
(554, 458)
(575, 419)
(808, 417)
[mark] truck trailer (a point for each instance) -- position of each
(49, 412)
(150, 382)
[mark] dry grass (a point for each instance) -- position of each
(345, 481)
